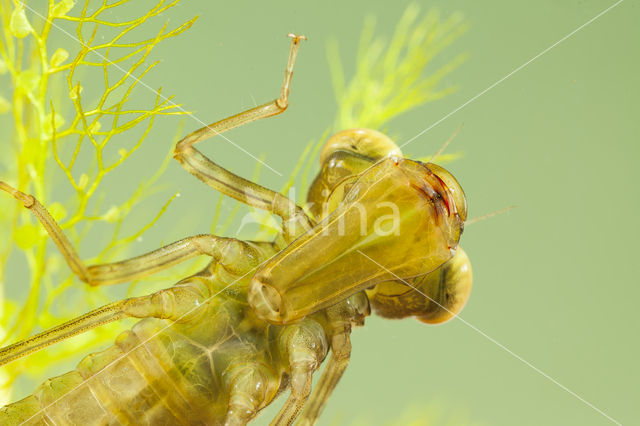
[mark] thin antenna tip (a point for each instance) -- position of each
(444, 146)
(488, 215)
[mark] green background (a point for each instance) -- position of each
(556, 279)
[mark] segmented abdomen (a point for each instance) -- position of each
(153, 375)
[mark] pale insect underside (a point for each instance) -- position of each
(217, 348)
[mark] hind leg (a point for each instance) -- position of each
(179, 303)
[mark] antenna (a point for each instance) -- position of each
(444, 146)
(487, 216)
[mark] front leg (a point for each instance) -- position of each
(295, 221)
(340, 354)
(339, 319)
(303, 346)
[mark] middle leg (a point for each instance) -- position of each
(138, 267)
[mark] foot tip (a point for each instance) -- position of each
(296, 38)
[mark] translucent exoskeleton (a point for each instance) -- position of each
(382, 233)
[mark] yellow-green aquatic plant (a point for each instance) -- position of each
(67, 101)
(389, 79)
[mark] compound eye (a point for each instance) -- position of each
(454, 188)
(364, 142)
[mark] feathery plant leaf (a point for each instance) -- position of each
(389, 78)
(77, 134)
